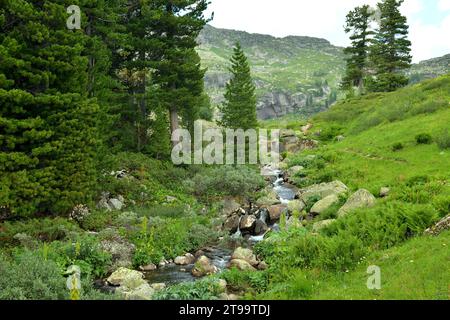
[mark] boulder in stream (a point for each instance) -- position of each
(203, 267)
(185, 260)
(275, 211)
(246, 255)
(247, 222)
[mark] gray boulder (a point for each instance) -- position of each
(323, 190)
(296, 205)
(360, 199)
(324, 204)
(247, 222)
(245, 255)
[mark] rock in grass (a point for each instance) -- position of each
(126, 277)
(324, 204)
(360, 199)
(241, 265)
(296, 205)
(384, 192)
(246, 255)
(322, 190)
(439, 227)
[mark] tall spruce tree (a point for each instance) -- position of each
(47, 123)
(358, 24)
(390, 52)
(179, 74)
(162, 70)
(239, 108)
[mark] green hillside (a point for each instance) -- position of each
(286, 70)
(398, 140)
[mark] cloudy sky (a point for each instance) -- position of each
(429, 20)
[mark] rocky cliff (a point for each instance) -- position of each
(292, 74)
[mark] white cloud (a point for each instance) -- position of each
(326, 18)
(444, 5)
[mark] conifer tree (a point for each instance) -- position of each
(358, 24)
(47, 123)
(239, 108)
(179, 73)
(390, 53)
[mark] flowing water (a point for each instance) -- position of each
(174, 274)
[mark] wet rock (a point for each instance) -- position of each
(203, 267)
(322, 224)
(360, 199)
(276, 211)
(322, 190)
(246, 255)
(199, 253)
(260, 227)
(185, 260)
(324, 204)
(148, 268)
(232, 223)
(247, 222)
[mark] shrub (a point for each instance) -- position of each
(443, 139)
(385, 225)
(29, 277)
(329, 133)
(246, 280)
(85, 251)
(97, 220)
(226, 180)
(397, 146)
(424, 138)
(168, 238)
(206, 289)
(44, 229)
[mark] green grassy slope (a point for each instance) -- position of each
(333, 265)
